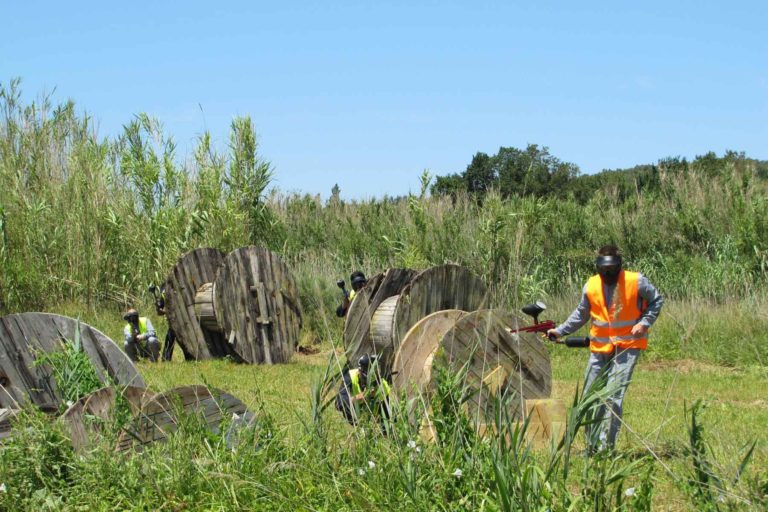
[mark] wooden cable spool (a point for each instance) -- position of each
(513, 365)
(86, 418)
(437, 289)
(193, 270)
(23, 335)
(161, 415)
(396, 302)
(357, 325)
(244, 305)
(256, 303)
(412, 367)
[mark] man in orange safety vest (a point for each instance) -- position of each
(621, 305)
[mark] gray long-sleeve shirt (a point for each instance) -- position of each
(645, 290)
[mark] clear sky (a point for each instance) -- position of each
(368, 94)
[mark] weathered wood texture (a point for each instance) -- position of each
(382, 324)
(204, 309)
(86, 419)
(6, 418)
(357, 334)
(436, 289)
(257, 305)
(514, 366)
(161, 416)
(547, 422)
(23, 335)
(191, 271)
(412, 368)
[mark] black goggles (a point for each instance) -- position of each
(608, 264)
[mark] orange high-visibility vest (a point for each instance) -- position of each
(612, 323)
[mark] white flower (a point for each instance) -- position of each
(235, 416)
(418, 449)
(411, 444)
(371, 464)
(3, 488)
(457, 473)
(630, 491)
(361, 471)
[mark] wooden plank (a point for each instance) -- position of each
(23, 335)
(191, 271)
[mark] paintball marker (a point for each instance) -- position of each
(341, 284)
(534, 310)
(159, 301)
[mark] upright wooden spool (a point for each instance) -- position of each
(193, 270)
(23, 335)
(357, 326)
(437, 289)
(378, 323)
(514, 366)
(256, 303)
(161, 415)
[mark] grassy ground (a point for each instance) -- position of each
(322, 466)
(736, 415)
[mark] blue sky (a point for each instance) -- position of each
(369, 94)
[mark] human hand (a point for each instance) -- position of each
(552, 334)
(639, 329)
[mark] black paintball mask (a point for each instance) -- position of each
(609, 268)
(365, 363)
(358, 280)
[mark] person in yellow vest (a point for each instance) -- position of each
(140, 337)
(363, 386)
(622, 306)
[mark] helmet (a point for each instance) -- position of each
(131, 314)
(609, 268)
(357, 278)
(365, 362)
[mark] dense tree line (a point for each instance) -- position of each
(537, 173)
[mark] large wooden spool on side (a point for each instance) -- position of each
(191, 271)
(23, 335)
(86, 419)
(357, 326)
(256, 303)
(161, 415)
(515, 367)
